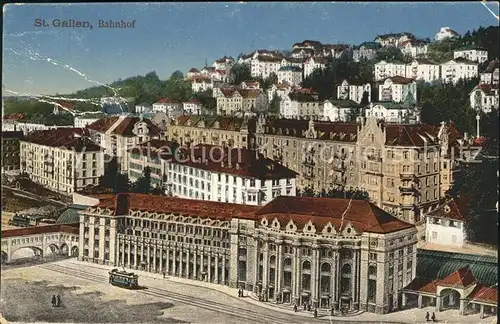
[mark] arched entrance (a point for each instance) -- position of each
(5, 257)
(74, 251)
(25, 254)
(450, 299)
(64, 249)
(51, 250)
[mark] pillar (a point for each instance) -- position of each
(154, 258)
(216, 279)
(438, 304)
(295, 276)
(129, 251)
(174, 261)
(481, 311)
(80, 242)
(161, 251)
(354, 280)
(420, 301)
(314, 277)
(279, 269)
(136, 251)
(403, 299)
(187, 263)
(223, 269)
(462, 306)
(167, 265)
(265, 268)
(209, 278)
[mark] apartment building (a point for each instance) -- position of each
(446, 225)
(393, 40)
(242, 101)
(11, 150)
(168, 106)
(457, 69)
(339, 110)
(63, 160)
(212, 130)
(423, 69)
(354, 91)
(405, 168)
(474, 54)
(192, 107)
(392, 112)
(363, 53)
(149, 154)
(116, 135)
(290, 74)
(314, 63)
(387, 69)
(82, 122)
(484, 97)
(397, 89)
(331, 253)
(444, 33)
(492, 74)
(302, 103)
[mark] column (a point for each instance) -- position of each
(216, 279)
(420, 301)
(167, 262)
(122, 242)
(296, 273)
(136, 252)
(333, 282)
(223, 269)
(161, 251)
(91, 239)
(314, 277)
(155, 247)
(354, 280)
(438, 303)
(265, 268)
(209, 278)
(279, 269)
(129, 251)
(338, 278)
(481, 311)
(80, 242)
(255, 265)
(174, 259)
(462, 306)
(403, 300)
(142, 254)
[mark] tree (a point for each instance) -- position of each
(113, 179)
(143, 184)
(353, 114)
(365, 99)
(177, 75)
(239, 73)
(355, 194)
(389, 54)
(274, 105)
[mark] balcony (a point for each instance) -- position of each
(374, 158)
(407, 175)
(409, 191)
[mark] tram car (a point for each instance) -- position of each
(21, 221)
(123, 279)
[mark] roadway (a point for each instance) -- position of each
(29, 195)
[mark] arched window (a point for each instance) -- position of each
(306, 265)
(261, 257)
(326, 267)
(287, 262)
(346, 269)
(372, 270)
(272, 261)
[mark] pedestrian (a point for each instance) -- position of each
(309, 307)
(58, 300)
(433, 317)
(53, 300)
(331, 311)
(163, 272)
(295, 308)
(315, 313)
(305, 306)
(427, 317)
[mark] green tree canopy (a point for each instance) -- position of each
(239, 73)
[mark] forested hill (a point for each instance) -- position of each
(147, 88)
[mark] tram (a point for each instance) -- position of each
(123, 279)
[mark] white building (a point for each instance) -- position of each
(457, 69)
(414, 48)
(445, 32)
(250, 85)
(192, 107)
(233, 175)
(484, 97)
(62, 160)
(82, 122)
(168, 106)
(26, 128)
(200, 84)
(353, 91)
(143, 108)
(338, 110)
(116, 135)
(423, 69)
(396, 89)
(393, 39)
(292, 61)
(244, 101)
(363, 53)
(384, 70)
(225, 63)
(446, 226)
(491, 75)
(392, 112)
(302, 103)
(193, 73)
(290, 74)
(474, 54)
(314, 63)
(281, 89)
(264, 65)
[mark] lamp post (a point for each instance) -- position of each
(477, 124)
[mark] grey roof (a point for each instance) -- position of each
(71, 215)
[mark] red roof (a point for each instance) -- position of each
(448, 210)
(462, 278)
(423, 285)
(194, 70)
(484, 294)
(362, 215)
(69, 138)
(40, 230)
(175, 205)
(15, 116)
(193, 101)
(125, 127)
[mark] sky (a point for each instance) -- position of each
(178, 36)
